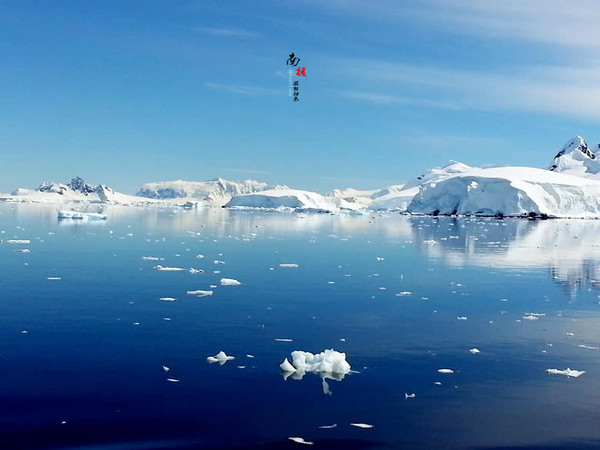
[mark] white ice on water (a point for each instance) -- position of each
(571, 373)
(229, 282)
(200, 293)
(168, 269)
(220, 358)
(300, 440)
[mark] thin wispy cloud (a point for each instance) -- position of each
(564, 91)
(244, 89)
(226, 32)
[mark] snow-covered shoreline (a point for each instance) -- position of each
(569, 188)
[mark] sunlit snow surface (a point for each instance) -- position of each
(99, 349)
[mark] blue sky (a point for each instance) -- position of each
(127, 92)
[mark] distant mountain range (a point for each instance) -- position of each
(569, 187)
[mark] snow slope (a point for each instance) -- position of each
(77, 191)
(511, 191)
(399, 200)
(216, 192)
(361, 197)
(291, 199)
(577, 159)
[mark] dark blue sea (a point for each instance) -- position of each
(84, 335)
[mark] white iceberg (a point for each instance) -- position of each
(571, 373)
(168, 269)
(18, 241)
(220, 358)
(291, 199)
(445, 371)
(288, 265)
(299, 440)
(78, 215)
(200, 293)
(362, 425)
(328, 364)
(229, 282)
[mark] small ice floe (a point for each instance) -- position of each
(166, 318)
(218, 261)
(462, 318)
(24, 332)
(331, 282)
(165, 368)
(569, 334)
(327, 427)
(289, 265)
(284, 340)
(249, 356)
(152, 258)
(136, 323)
(438, 383)
(173, 380)
(403, 294)
(567, 372)
(406, 395)
(430, 242)
(362, 425)
(167, 299)
(18, 241)
(200, 293)
(53, 278)
(299, 440)
(220, 358)
(378, 258)
(530, 317)
(195, 271)
(588, 347)
(329, 364)
(168, 269)
(64, 422)
(229, 282)
(474, 351)
(23, 250)
(445, 371)
(199, 256)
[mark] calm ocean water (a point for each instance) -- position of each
(84, 335)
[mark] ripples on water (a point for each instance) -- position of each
(85, 338)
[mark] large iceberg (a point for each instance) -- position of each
(291, 199)
(510, 191)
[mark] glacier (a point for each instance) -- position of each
(569, 187)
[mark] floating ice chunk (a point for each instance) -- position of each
(284, 340)
(438, 383)
(152, 258)
(403, 293)
(173, 380)
(362, 425)
(220, 358)
(217, 261)
(286, 366)
(462, 318)
(168, 269)
(378, 258)
(195, 271)
(430, 242)
(199, 256)
(23, 250)
(331, 282)
(229, 282)
(288, 265)
(569, 334)
(200, 293)
(445, 371)
(327, 427)
(530, 317)
(53, 278)
(249, 356)
(167, 299)
(567, 372)
(406, 396)
(331, 363)
(299, 440)
(18, 241)
(588, 347)
(165, 368)
(136, 323)
(474, 351)
(24, 332)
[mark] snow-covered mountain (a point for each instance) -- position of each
(576, 158)
(216, 192)
(363, 198)
(76, 191)
(399, 200)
